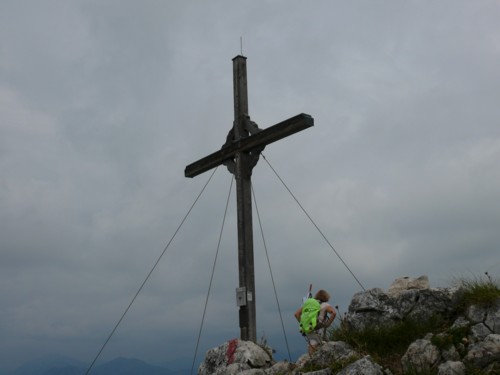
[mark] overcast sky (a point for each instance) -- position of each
(104, 103)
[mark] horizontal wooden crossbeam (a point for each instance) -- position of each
(262, 138)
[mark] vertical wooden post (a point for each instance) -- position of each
(240, 154)
(243, 171)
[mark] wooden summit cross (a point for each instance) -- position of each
(240, 154)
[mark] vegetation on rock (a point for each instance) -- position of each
(481, 291)
(387, 344)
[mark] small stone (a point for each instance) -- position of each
(451, 368)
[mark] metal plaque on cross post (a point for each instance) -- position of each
(240, 153)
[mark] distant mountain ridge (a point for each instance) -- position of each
(41, 365)
(69, 366)
(125, 366)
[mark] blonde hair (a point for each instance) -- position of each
(322, 296)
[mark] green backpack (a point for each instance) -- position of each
(309, 316)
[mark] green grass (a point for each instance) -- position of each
(451, 337)
(483, 291)
(387, 345)
(340, 365)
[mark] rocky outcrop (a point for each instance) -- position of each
(236, 357)
(407, 283)
(421, 356)
(375, 308)
(479, 347)
(451, 368)
(470, 345)
(486, 353)
(247, 358)
(330, 352)
(364, 366)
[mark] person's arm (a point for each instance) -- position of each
(331, 313)
(298, 313)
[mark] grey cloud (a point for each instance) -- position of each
(102, 105)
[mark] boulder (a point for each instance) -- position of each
(475, 314)
(371, 308)
(485, 320)
(489, 315)
(451, 354)
(235, 356)
(460, 323)
(431, 302)
(492, 320)
(485, 353)
(406, 283)
(421, 356)
(479, 332)
(328, 353)
(451, 368)
(375, 309)
(281, 367)
(363, 366)
(370, 300)
(254, 371)
(325, 371)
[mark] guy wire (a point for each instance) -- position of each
(149, 274)
(212, 275)
(316, 226)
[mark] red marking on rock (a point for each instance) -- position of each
(231, 349)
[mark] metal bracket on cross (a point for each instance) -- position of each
(252, 128)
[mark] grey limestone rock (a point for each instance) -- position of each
(407, 283)
(234, 357)
(421, 356)
(485, 352)
(374, 308)
(451, 368)
(253, 371)
(479, 332)
(460, 322)
(450, 354)
(328, 353)
(363, 366)
(325, 371)
(281, 367)
(431, 302)
(492, 319)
